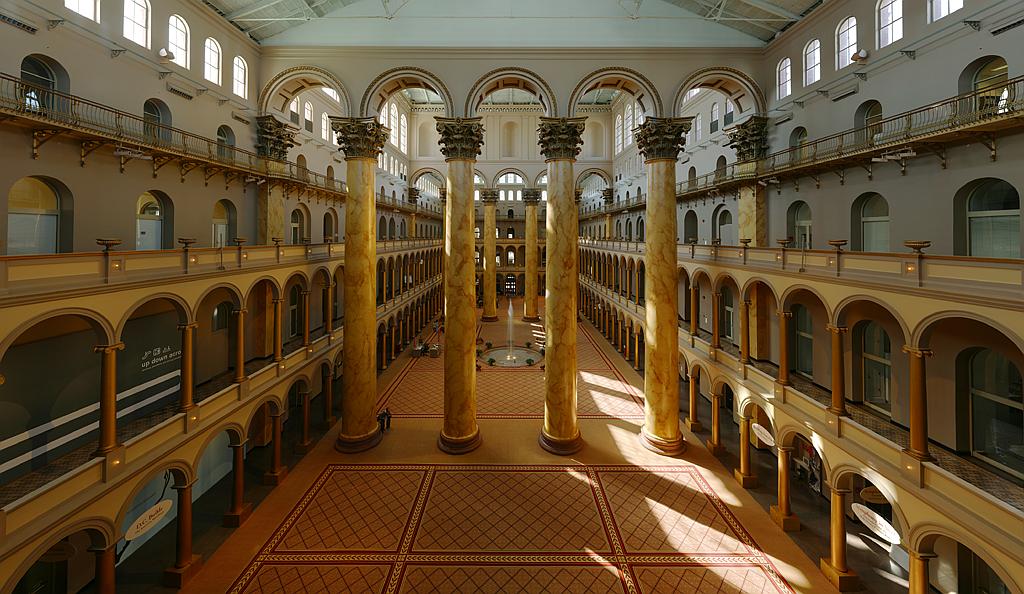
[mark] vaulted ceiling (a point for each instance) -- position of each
(514, 23)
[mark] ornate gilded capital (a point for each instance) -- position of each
(662, 138)
(488, 195)
(442, 193)
(608, 194)
(360, 137)
(461, 138)
(578, 194)
(414, 195)
(274, 137)
(750, 138)
(531, 195)
(560, 138)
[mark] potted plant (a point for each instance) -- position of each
(529, 362)
(528, 343)
(491, 361)
(479, 352)
(488, 344)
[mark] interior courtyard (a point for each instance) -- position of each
(715, 296)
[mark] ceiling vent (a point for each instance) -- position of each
(181, 91)
(6, 18)
(240, 118)
(844, 92)
(1004, 28)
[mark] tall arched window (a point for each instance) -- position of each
(42, 75)
(803, 343)
(846, 42)
(152, 223)
(618, 134)
(698, 127)
(997, 411)
(293, 111)
(136, 22)
(33, 218)
(871, 223)
(325, 126)
(876, 362)
(404, 134)
(393, 115)
(724, 230)
(86, 8)
(989, 82)
(812, 62)
(240, 77)
(714, 117)
(211, 60)
(730, 111)
(941, 8)
(298, 227)
(225, 142)
(307, 116)
(156, 117)
(690, 227)
(799, 225)
(177, 40)
(382, 117)
(223, 223)
(691, 178)
(993, 220)
(890, 22)
(783, 78)
(627, 123)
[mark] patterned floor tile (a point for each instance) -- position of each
(362, 510)
(704, 580)
(473, 579)
(667, 512)
(511, 511)
(288, 579)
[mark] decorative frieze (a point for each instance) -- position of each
(662, 138)
(560, 138)
(274, 137)
(750, 138)
(461, 138)
(360, 137)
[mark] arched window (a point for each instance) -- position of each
(618, 133)
(783, 77)
(868, 120)
(136, 22)
(211, 60)
(152, 223)
(223, 223)
(871, 223)
(725, 312)
(325, 126)
(640, 230)
(177, 40)
(890, 22)
(812, 62)
(382, 117)
(876, 362)
(691, 178)
(798, 140)
(511, 179)
(997, 411)
(799, 225)
(724, 229)
(294, 317)
(803, 343)
(627, 126)
(690, 227)
(941, 8)
(404, 134)
(989, 83)
(846, 42)
(721, 166)
(993, 220)
(298, 227)
(697, 130)
(221, 316)
(41, 76)
(156, 118)
(240, 77)
(329, 226)
(730, 111)
(714, 117)
(293, 111)
(307, 116)
(86, 8)
(225, 142)
(629, 230)
(33, 218)
(393, 115)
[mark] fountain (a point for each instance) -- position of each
(511, 355)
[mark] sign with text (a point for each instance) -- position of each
(763, 434)
(876, 524)
(148, 519)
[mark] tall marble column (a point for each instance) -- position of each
(531, 197)
(920, 580)
(782, 514)
(835, 566)
(660, 140)
(608, 195)
(489, 198)
(560, 140)
(838, 406)
(461, 139)
(108, 398)
(918, 447)
(361, 139)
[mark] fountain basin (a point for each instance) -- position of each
(514, 357)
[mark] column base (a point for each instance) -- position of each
(330, 421)
(275, 478)
(844, 581)
(177, 577)
(789, 523)
(236, 519)
(354, 444)
(305, 446)
(839, 412)
(531, 318)
(559, 446)
(747, 481)
(716, 449)
(457, 446)
(693, 426)
(489, 318)
(658, 445)
(919, 456)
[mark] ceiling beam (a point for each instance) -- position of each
(258, 6)
(773, 9)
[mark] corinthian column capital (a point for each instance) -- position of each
(750, 138)
(360, 137)
(662, 138)
(461, 138)
(560, 138)
(274, 137)
(531, 195)
(489, 195)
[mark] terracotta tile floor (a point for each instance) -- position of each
(510, 517)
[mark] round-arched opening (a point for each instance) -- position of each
(154, 221)
(40, 217)
(987, 219)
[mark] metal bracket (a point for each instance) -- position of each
(796, 184)
(41, 137)
(817, 181)
(976, 25)
(88, 146)
(229, 176)
(185, 167)
(842, 176)
(903, 166)
(124, 161)
(52, 24)
(912, 54)
(938, 152)
(989, 142)
(116, 52)
(159, 162)
(868, 168)
(209, 172)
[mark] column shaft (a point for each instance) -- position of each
(532, 249)
(745, 332)
(919, 575)
(692, 419)
(329, 309)
(838, 406)
(184, 525)
(108, 398)
(489, 198)
(305, 319)
(106, 570)
(784, 317)
(918, 404)
(186, 402)
(277, 330)
(694, 309)
(239, 346)
(716, 339)
(782, 514)
(744, 474)
(835, 566)
(715, 443)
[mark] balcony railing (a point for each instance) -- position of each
(985, 108)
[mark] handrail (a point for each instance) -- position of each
(999, 101)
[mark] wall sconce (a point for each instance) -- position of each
(193, 259)
(245, 255)
(117, 266)
(910, 267)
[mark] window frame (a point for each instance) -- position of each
(75, 6)
(239, 65)
(212, 71)
(813, 48)
(784, 78)
(182, 55)
(847, 27)
(894, 25)
(130, 24)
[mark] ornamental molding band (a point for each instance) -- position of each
(531, 195)
(360, 138)
(750, 138)
(662, 138)
(488, 195)
(274, 137)
(461, 138)
(560, 138)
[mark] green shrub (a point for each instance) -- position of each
(479, 352)
(490, 361)
(529, 362)
(488, 344)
